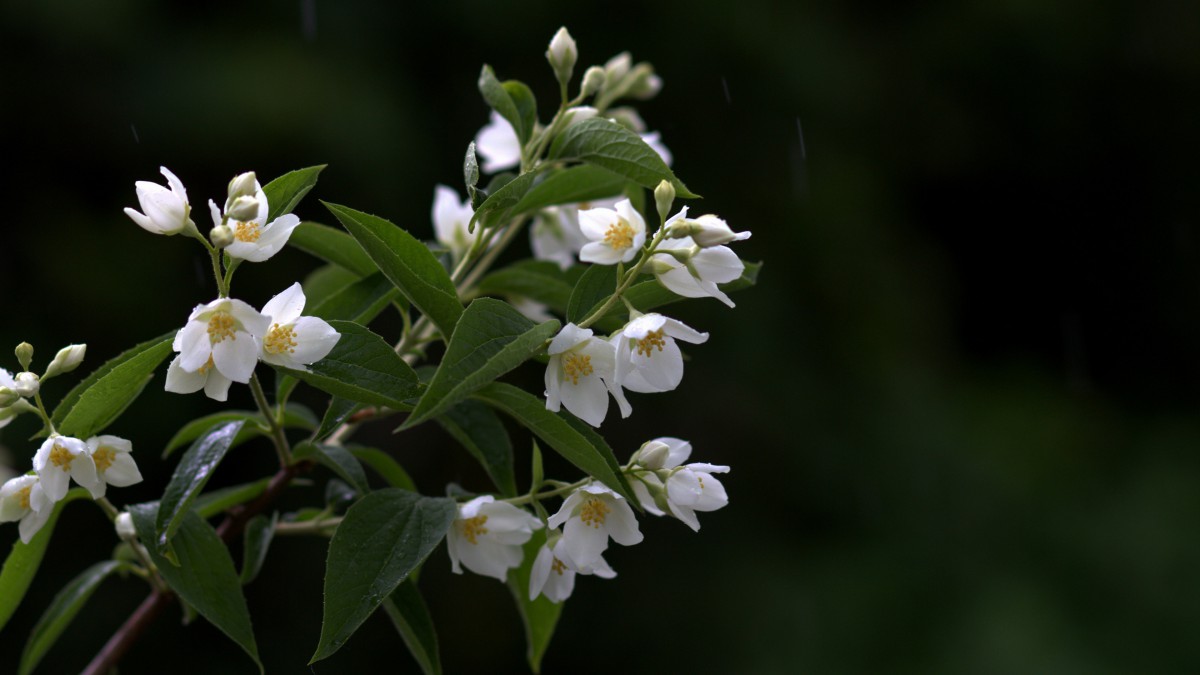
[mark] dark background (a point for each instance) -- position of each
(959, 407)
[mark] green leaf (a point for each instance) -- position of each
(539, 280)
(360, 301)
(604, 143)
(334, 246)
(526, 105)
(383, 538)
(362, 367)
(490, 339)
(205, 577)
(211, 503)
(569, 437)
(410, 616)
(576, 184)
(385, 466)
(340, 409)
(325, 281)
(100, 399)
(24, 559)
(257, 539)
(481, 432)
(294, 417)
(498, 205)
(284, 193)
(61, 612)
(195, 468)
(408, 263)
(596, 285)
(540, 616)
(500, 99)
(338, 460)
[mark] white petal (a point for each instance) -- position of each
(144, 222)
(271, 241)
(554, 384)
(643, 325)
(215, 213)
(32, 523)
(285, 307)
(540, 572)
(587, 400)
(625, 210)
(497, 142)
(193, 345)
(564, 512)
(568, 337)
(123, 472)
(216, 386)
(252, 321)
(54, 482)
(600, 253)
(175, 183)
(594, 223)
(621, 524)
(236, 357)
(315, 338)
(663, 369)
(718, 264)
(181, 381)
(583, 543)
(681, 331)
(679, 452)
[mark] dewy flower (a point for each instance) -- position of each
(498, 144)
(166, 211)
(689, 487)
(487, 536)
(114, 463)
(219, 344)
(648, 360)
(295, 341)
(615, 236)
(554, 577)
(23, 499)
(581, 374)
(450, 220)
(699, 271)
(254, 239)
(60, 459)
(589, 516)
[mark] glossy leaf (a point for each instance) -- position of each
(409, 264)
(362, 367)
(214, 502)
(338, 460)
(606, 144)
(381, 540)
(195, 467)
(360, 301)
(410, 616)
(482, 434)
(340, 409)
(325, 281)
(284, 193)
(539, 616)
(596, 285)
(501, 100)
(581, 183)
(526, 105)
(499, 203)
(100, 398)
(334, 246)
(383, 464)
(61, 612)
(256, 541)
(294, 417)
(538, 280)
(23, 561)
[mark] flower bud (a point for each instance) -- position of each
(562, 55)
(652, 455)
(67, 359)
(242, 185)
(24, 352)
(645, 84)
(243, 208)
(27, 384)
(628, 118)
(578, 114)
(617, 68)
(8, 397)
(593, 81)
(709, 230)
(221, 236)
(124, 526)
(664, 197)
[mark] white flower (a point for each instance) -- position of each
(24, 499)
(60, 459)
(114, 463)
(218, 344)
(498, 144)
(589, 516)
(555, 235)
(581, 374)
(704, 267)
(254, 240)
(487, 537)
(295, 341)
(554, 577)
(615, 236)
(450, 220)
(689, 487)
(27, 384)
(166, 211)
(648, 360)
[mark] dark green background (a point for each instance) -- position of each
(960, 407)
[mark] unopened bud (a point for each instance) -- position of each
(67, 359)
(593, 81)
(628, 118)
(659, 267)
(24, 352)
(124, 526)
(617, 68)
(27, 384)
(8, 397)
(645, 84)
(562, 55)
(243, 208)
(664, 198)
(709, 230)
(242, 185)
(221, 236)
(578, 114)
(653, 455)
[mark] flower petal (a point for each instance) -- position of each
(285, 307)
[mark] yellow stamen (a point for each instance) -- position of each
(473, 528)
(61, 457)
(619, 235)
(558, 567)
(653, 339)
(23, 498)
(281, 339)
(209, 365)
(594, 512)
(247, 232)
(104, 457)
(221, 326)
(577, 366)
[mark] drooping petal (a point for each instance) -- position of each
(582, 542)
(180, 381)
(123, 472)
(718, 264)
(554, 384)
(621, 524)
(216, 386)
(55, 483)
(662, 369)
(565, 511)
(682, 331)
(32, 523)
(587, 400)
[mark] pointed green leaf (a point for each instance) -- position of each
(497, 207)
(99, 399)
(195, 467)
(323, 282)
(333, 246)
(205, 577)
(214, 502)
(538, 280)
(408, 263)
(569, 437)
(362, 367)
(338, 460)
(340, 409)
(480, 431)
(61, 612)
(501, 100)
(359, 302)
(490, 339)
(284, 193)
(606, 144)
(581, 183)
(257, 539)
(294, 417)
(526, 105)
(381, 540)
(596, 285)
(410, 616)
(385, 466)
(540, 616)
(23, 561)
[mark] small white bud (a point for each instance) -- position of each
(124, 526)
(645, 83)
(243, 208)
(664, 197)
(24, 352)
(8, 397)
(653, 455)
(617, 68)
(221, 236)
(593, 81)
(27, 384)
(242, 185)
(562, 55)
(709, 230)
(578, 114)
(67, 359)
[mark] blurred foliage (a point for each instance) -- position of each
(960, 406)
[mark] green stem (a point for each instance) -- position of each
(109, 510)
(532, 497)
(280, 439)
(626, 282)
(41, 409)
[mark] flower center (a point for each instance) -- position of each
(474, 527)
(647, 344)
(594, 513)
(281, 339)
(619, 235)
(104, 458)
(221, 326)
(577, 366)
(23, 499)
(61, 457)
(247, 232)
(557, 565)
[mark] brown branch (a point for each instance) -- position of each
(235, 521)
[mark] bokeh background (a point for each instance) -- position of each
(961, 406)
